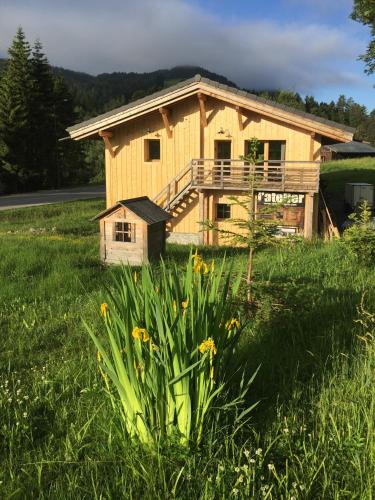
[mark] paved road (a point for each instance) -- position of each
(51, 196)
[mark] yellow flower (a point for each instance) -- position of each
(185, 304)
(208, 345)
(197, 267)
(138, 367)
(98, 356)
(146, 335)
(104, 310)
(140, 334)
(231, 324)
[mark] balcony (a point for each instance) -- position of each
(236, 175)
(281, 176)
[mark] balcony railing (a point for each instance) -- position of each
(283, 176)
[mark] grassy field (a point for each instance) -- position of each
(335, 174)
(311, 436)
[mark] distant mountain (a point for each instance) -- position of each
(97, 94)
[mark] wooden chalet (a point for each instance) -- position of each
(182, 147)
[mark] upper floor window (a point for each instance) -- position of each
(273, 151)
(152, 149)
(124, 232)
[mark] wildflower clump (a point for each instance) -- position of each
(167, 347)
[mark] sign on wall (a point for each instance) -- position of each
(287, 199)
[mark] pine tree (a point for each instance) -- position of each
(43, 119)
(15, 110)
(69, 167)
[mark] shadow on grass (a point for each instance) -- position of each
(334, 181)
(180, 253)
(296, 342)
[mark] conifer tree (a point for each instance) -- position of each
(15, 110)
(69, 166)
(43, 119)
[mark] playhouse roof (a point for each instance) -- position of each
(142, 206)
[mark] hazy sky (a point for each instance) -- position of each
(310, 46)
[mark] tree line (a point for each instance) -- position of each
(97, 94)
(35, 109)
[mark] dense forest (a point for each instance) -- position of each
(38, 102)
(96, 94)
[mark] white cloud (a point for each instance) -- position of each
(144, 35)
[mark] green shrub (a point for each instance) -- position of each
(170, 339)
(360, 237)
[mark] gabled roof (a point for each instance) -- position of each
(352, 147)
(217, 90)
(142, 206)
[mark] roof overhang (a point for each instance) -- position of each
(235, 97)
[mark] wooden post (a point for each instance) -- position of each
(309, 211)
(165, 115)
(202, 106)
(206, 216)
(201, 202)
(106, 136)
(312, 145)
(316, 213)
(266, 157)
(239, 115)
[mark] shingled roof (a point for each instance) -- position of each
(214, 84)
(143, 207)
(352, 147)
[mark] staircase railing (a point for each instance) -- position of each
(178, 185)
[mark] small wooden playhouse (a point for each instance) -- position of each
(132, 232)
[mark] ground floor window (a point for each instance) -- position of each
(124, 232)
(223, 211)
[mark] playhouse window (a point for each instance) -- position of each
(222, 211)
(152, 149)
(124, 232)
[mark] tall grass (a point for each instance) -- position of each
(311, 436)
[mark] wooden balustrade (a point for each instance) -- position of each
(283, 176)
(227, 175)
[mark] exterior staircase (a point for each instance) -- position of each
(176, 190)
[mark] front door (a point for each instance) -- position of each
(223, 151)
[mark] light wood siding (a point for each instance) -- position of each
(115, 252)
(128, 175)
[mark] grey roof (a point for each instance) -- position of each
(143, 207)
(212, 83)
(352, 147)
